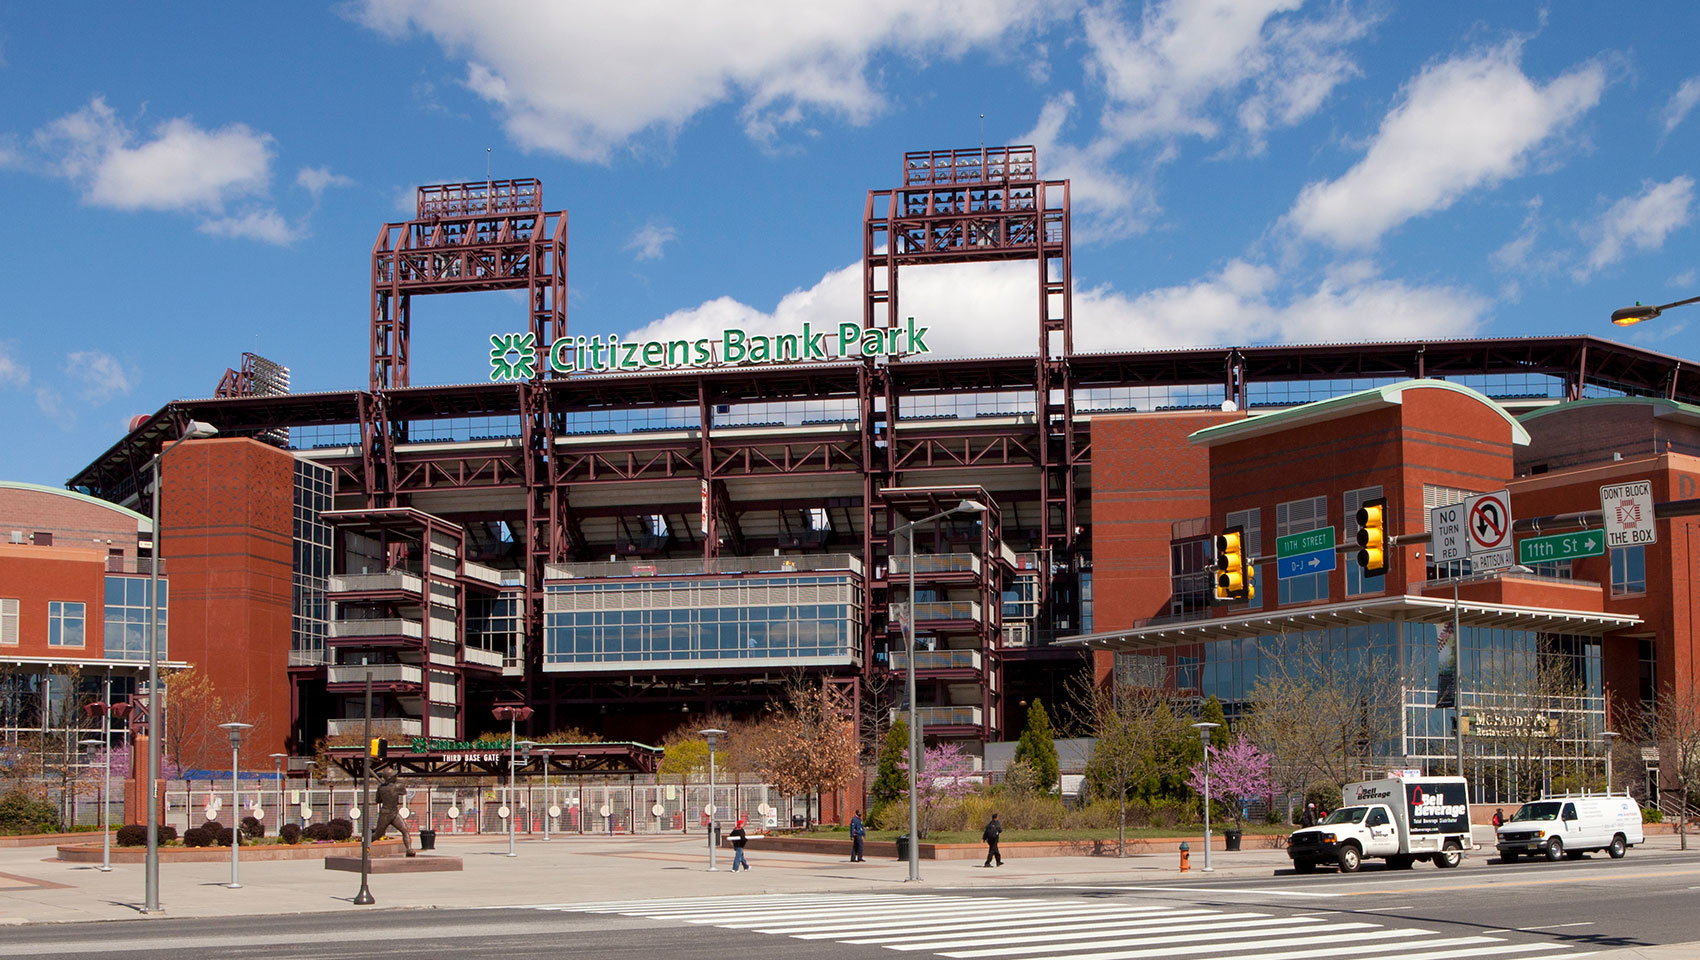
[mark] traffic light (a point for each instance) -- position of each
(1372, 537)
(1233, 573)
(378, 749)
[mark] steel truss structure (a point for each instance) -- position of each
(545, 472)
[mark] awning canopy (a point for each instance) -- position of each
(1407, 608)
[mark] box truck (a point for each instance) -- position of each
(1400, 820)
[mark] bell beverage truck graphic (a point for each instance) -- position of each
(1401, 820)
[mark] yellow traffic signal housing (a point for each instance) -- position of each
(1372, 537)
(378, 749)
(1232, 572)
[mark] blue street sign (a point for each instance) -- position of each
(1300, 564)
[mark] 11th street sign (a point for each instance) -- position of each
(1561, 546)
(1297, 554)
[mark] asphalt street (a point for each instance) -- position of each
(1484, 909)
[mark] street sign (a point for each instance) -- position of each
(1487, 521)
(1298, 554)
(1310, 541)
(1561, 546)
(1300, 564)
(1446, 528)
(1495, 560)
(1628, 512)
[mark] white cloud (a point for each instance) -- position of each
(649, 242)
(13, 371)
(1106, 203)
(583, 80)
(1164, 75)
(1639, 222)
(1682, 101)
(267, 225)
(986, 309)
(51, 403)
(101, 375)
(316, 180)
(1463, 123)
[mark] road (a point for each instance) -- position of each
(1485, 909)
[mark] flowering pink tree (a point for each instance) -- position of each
(946, 776)
(1239, 772)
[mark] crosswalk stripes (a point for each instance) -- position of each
(1038, 928)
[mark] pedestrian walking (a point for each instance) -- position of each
(858, 831)
(739, 838)
(1308, 818)
(1499, 816)
(993, 830)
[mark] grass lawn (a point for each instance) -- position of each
(1013, 836)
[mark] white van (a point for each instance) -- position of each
(1569, 826)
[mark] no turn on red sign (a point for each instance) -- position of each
(1628, 512)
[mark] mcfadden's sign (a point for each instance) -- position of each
(513, 356)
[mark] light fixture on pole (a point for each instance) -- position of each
(235, 730)
(1204, 728)
(105, 802)
(513, 714)
(150, 873)
(915, 738)
(1608, 736)
(277, 761)
(307, 798)
(548, 808)
(712, 735)
(1629, 316)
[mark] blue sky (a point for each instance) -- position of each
(185, 181)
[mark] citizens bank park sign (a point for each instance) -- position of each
(514, 356)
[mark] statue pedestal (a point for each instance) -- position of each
(424, 863)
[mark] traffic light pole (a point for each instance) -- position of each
(364, 897)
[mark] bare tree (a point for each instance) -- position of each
(1674, 724)
(810, 742)
(1530, 715)
(1321, 719)
(1139, 741)
(194, 709)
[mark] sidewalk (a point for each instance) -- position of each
(34, 887)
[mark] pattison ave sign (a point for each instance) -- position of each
(513, 356)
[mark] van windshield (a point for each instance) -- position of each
(1347, 815)
(1536, 811)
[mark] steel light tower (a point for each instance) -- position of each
(1204, 728)
(712, 735)
(235, 730)
(105, 802)
(547, 806)
(513, 714)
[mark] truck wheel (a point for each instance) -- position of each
(1304, 866)
(1450, 856)
(1508, 856)
(1350, 859)
(1401, 862)
(1555, 849)
(1618, 847)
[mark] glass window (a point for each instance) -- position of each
(1628, 570)
(1299, 516)
(1356, 582)
(8, 622)
(64, 623)
(1252, 522)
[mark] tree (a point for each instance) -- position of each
(811, 742)
(683, 758)
(1674, 724)
(1139, 741)
(889, 782)
(946, 776)
(1320, 718)
(193, 711)
(1213, 713)
(1239, 773)
(1038, 747)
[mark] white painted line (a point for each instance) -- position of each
(1555, 926)
(899, 925)
(1012, 913)
(1448, 949)
(1103, 937)
(848, 905)
(1327, 933)
(978, 927)
(807, 916)
(1192, 891)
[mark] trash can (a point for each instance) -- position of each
(1232, 839)
(903, 847)
(714, 834)
(427, 839)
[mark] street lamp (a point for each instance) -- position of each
(150, 883)
(1608, 736)
(277, 762)
(548, 808)
(1204, 728)
(712, 735)
(307, 798)
(513, 715)
(1629, 316)
(105, 802)
(908, 530)
(235, 730)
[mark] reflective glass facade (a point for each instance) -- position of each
(127, 617)
(313, 486)
(743, 622)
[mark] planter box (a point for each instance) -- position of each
(91, 852)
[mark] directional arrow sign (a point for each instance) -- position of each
(1561, 546)
(1299, 564)
(1310, 541)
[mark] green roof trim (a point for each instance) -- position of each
(143, 524)
(1335, 408)
(1661, 407)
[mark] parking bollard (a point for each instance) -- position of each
(1186, 857)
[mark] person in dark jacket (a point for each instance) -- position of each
(1499, 817)
(739, 838)
(1308, 819)
(993, 830)
(858, 831)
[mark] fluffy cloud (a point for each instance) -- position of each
(581, 80)
(1107, 203)
(13, 371)
(316, 180)
(1682, 101)
(1165, 75)
(1639, 222)
(650, 241)
(1463, 123)
(267, 225)
(100, 374)
(986, 309)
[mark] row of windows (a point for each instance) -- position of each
(127, 615)
(757, 633)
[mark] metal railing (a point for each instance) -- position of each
(936, 563)
(801, 563)
(947, 610)
(381, 673)
(948, 716)
(938, 660)
(388, 627)
(404, 580)
(479, 655)
(404, 726)
(140, 566)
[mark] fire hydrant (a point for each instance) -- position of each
(1186, 857)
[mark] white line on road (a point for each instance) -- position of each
(1192, 890)
(1555, 926)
